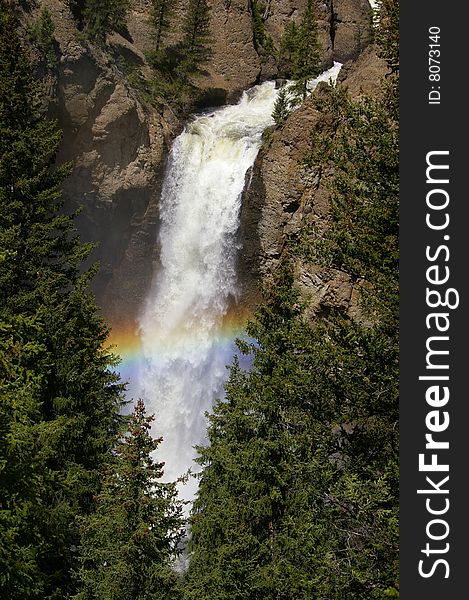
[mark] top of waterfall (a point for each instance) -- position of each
(329, 76)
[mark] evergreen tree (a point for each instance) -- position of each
(104, 16)
(362, 143)
(197, 35)
(300, 48)
(58, 391)
(21, 482)
(43, 31)
(160, 15)
(281, 106)
(298, 494)
(128, 542)
(288, 44)
(100, 17)
(388, 32)
(262, 41)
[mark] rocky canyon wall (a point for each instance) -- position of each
(284, 195)
(118, 142)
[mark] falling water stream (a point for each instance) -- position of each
(185, 338)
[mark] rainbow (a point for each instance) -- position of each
(126, 343)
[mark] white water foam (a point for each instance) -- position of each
(375, 5)
(185, 349)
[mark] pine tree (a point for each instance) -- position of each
(104, 16)
(247, 472)
(160, 15)
(281, 106)
(388, 32)
(300, 48)
(307, 61)
(43, 31)
(68, 398)
(262, 41)
(100, 17)
(288, 42)
(298, 494)
(128, 542)
(21, 482)
(197, 35)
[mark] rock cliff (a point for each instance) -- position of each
(118, 141)
(284, 194)
(117, 145)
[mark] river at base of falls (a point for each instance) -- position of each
(186, 330)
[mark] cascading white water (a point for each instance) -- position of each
(375, 6)
(185, 345)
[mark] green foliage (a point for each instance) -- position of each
(43, 32)
(282, 106)
(161, 11)
(388, 32)
(130, 538)
(361, 141)
(196, 29)
(60, 399)
(100, 17)
(168, 84)
(104, 16)
(298, 494)
(300, 49)
(288, 42)
(20, 500)
(262, 41)
(174, 64)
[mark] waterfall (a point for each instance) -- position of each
(187, 336)
(375, 7)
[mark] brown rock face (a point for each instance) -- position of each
(351, 28)
(284, 194)
(343, 25)
(362, 77)
(235, 65)
(118, 145)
